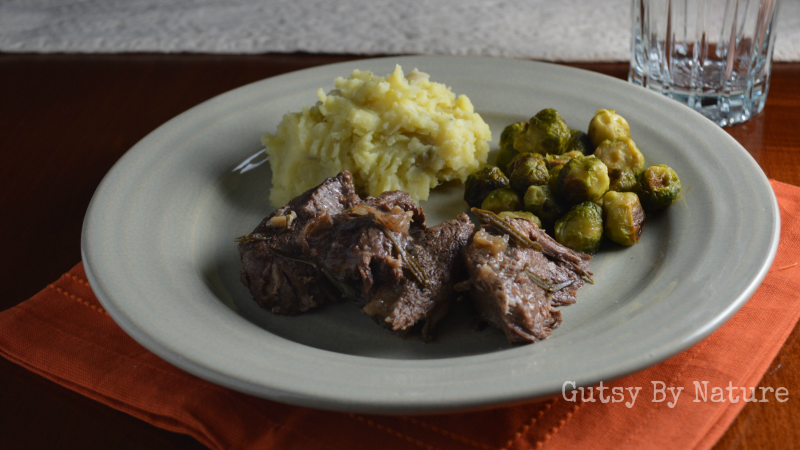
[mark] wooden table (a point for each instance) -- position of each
(65, 120)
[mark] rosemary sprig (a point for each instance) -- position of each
(343, 287)
(519, 238)
(410, 262)
(290, 257)
(583, 273)
(545, 284)
(256, 236)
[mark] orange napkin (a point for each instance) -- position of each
(64, 334)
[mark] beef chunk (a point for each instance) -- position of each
(353, 246)
(438, 251)
(576, 261)
(327, 243)
(383, 256)
(285, 285)
(515, 287)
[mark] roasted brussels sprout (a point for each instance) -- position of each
(541, 201)
(658, 187)
(555, 160)
(580, 142)
(521, 215)
(583, 179)
(560, 160)
(608, 125)
(552, 182)
(581, 229)
(545, 133)
(527, 169)
(621, 154)
(481, 182)
(503, 199)
(623, 217)
(571, 154)
(622, 180)
(507, 138)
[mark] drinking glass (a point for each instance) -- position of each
(714, 56)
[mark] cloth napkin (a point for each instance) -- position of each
(63, 334)
(564, 30)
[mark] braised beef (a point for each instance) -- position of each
(327, 244)
(382, 255)
(515, 287)
(278, 282)
(439, 251)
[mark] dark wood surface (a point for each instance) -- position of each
(65, 120)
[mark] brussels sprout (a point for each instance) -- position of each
(481, 182)
(572, 154)
(621, 154)
(521, 215)
(545, 133)
(527, 169)
(583, 179)
(623, 217)
(608, 125)
(552, 183)
(581, 229)
(659, 186)
(622, 180)
(555, 160)
(503, 199)
(507, 138)
(541, 201)
(580, 142)
(560, 160)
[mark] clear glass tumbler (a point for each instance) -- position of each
(714, 56)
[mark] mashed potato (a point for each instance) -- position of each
(398, 132)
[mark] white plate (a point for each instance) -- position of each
(159, 253)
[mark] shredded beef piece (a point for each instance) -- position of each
(362, 249)
(327, 243)
(354, 249)
(283, 285)
(503, 291)
(555, 251)
(439, 250)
